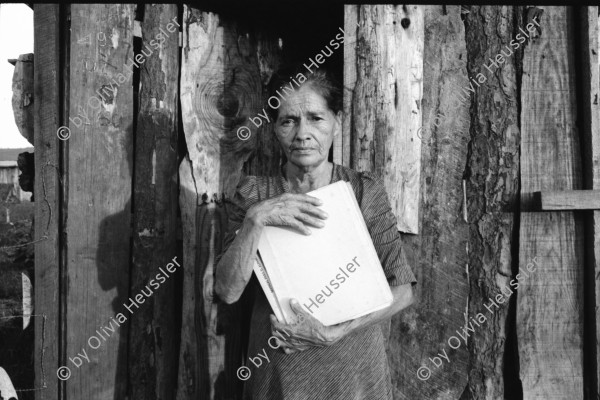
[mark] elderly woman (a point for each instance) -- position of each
(344, 361)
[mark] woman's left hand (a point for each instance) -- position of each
(307, 332)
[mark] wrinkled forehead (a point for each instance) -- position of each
(302, 101)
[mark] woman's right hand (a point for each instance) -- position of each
(298, 211)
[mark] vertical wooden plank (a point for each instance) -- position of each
(385, 105)
(99, 199)
(438, 255)
(492, 185)
(590, 124)
(46, 122)
(342, 142)
(550, 299)
(154, 337)
(224, 69)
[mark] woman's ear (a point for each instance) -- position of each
(338, 123)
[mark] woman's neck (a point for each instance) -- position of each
(302, 180)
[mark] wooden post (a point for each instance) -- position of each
(492, 187)
(154, 337)
(47, 95)
(98, 230)
(221, 87)
(383, 84)
(438, 255)
(550, 292)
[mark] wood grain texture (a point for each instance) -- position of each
(46, 22)
(492, 187)
(99, 198)
(550, 300)
(342, 143)
(154, 336)
(570, 200)
(438, 255)
(385, 90)
(224, 69)
(590, 127)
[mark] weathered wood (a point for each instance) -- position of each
(384, 109)
(569, 200)
(22, 98)
(154, 337)
(492, 185)
(550, 300)
(46, 25)
(590, 127)
(221, 87)
(99, 197)
(438, 255)
(342, 142)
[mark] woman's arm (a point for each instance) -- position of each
(234, 270)
(235, 267)
(310, 332)
(403, 297)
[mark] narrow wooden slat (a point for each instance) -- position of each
(154, 337)
(342, 143)
(98, 231)
(438, 255)
(385, 105)
(570, 200)
(590, 128)
(46, 122)
(550, 300)
(221, 87)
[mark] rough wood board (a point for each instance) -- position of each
(46, 122)
(550, 306)
(438, 255)
(550, 301)
(221, 86)
(385, 105)
(154, 336)
(492, 190)
(99, 200)
(570, 200)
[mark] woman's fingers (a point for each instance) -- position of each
(308, 220)
(305, 198)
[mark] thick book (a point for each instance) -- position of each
(334, 273)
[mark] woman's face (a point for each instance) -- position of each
(305, 127)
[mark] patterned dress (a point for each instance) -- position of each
(356, 367)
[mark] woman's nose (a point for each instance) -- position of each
(303, 131)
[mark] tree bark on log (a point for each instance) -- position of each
(492, 175)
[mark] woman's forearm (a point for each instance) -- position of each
(403, 297)
(235, 267)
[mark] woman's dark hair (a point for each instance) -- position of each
(320, 79)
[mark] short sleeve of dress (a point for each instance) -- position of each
(381, 223)
(236, 210)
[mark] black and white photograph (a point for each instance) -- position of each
(299, 200)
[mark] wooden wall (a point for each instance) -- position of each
(464, 155)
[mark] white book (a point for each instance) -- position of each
(334, 273)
